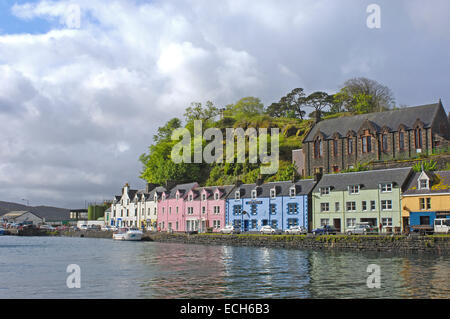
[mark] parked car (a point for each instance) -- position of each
(94, 227)
(106, 228)
(84, 227)
(359, 229)
(442, 225)
(325, 230)
(47, 227)
(267, 230)
(230, 229)
(296, 230)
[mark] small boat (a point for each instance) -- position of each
(128, 234)
(2, 231)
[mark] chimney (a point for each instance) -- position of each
(149, 187)
(259, 181)
(170, 184)
(317, 177)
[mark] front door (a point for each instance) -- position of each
(337, 224)
(246, 223)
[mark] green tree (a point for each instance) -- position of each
(197, 112)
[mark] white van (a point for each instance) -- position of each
(442, 225)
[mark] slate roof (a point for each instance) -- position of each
(392, 119)
(18, 213)
(225, 190)
(303, 187)
(366, 179)
(440, 184)
(183, 188)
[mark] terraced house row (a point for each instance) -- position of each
(391, 198)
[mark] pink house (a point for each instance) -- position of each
(192, 208)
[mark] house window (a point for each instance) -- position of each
(274, 223)
(216, 224)
(424, 220)
(425, 203)
(237, 209)
(272, 193)
(324, 221)
(423, 184)
(386, 205)
(335, 148)
(237, 195)
(292, 222)
(254, 209)
(190, 210)
(364, 205)
(372, 205)
(325, 191)
(386, 188)
(353, 189)
(418, 138)
(254, 194)
(292, 208)
(337, 206)
(350, 206)
(217, 210)
(191, 197)
(351, 222)
(387, 222)
(254, 224)
(203, 210)
(318, 148)
(366, 144)
(273, 209)
(170, 210)
(292, 192)
(384, 139)
(216, 196)
(177, 196)
(203, 197)
(401, 141)
(350, 146)
(176, 209)
(324, 207)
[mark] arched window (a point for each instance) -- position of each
(418, 137)
(401, 140)
(318, 148)
(350, 145)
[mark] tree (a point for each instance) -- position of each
(165, 132)
(380, 97)
(290, 105)
(245, 108)
(197, 112)
(319, 101)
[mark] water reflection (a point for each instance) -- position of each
(35, 268)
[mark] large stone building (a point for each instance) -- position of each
(338, 144)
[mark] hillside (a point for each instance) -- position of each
(47, 212)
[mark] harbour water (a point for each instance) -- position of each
(36, 267)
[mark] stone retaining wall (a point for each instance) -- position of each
(436, 244)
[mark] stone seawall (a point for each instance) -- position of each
(436, 244)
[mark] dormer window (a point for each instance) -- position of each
(254, 194)
(216, 196)
(325, 190)
(237, 195)
(177, 196)
(386, 188)
(292, 192)
(190, 197)
(353, 189)
(273, 193)
(424, 184)
(155, 198)
(203, 197)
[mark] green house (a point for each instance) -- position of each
(373, 197)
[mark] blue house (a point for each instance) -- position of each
(278, 204)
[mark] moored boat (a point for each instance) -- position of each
(133, 234)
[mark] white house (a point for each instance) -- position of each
(25, 217)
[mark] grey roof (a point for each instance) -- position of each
(225, 190)
(18, 213)
(440, 183)
(303, 187)
(392, 119)
(158, 190)
(183, 188)
(366, 179)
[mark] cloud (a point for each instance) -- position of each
(81, 103)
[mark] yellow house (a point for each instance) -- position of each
(426, 197)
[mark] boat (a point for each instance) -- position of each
(2, 231)
(128, 234)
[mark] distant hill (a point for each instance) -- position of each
(47, 212)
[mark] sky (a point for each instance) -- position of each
(85, 84)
